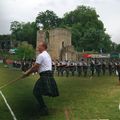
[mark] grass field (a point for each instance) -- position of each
(80, 98)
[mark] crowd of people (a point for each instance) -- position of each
(87, 67)
(24, 65)
(84, 67)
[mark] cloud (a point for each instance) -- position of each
(27, 10)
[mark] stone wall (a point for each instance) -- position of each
(59, 43)
(59, 38)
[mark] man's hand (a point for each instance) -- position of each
(30, 71)
(24, 76)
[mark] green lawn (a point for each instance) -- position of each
(80, 98)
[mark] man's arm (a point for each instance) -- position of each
(34, 68)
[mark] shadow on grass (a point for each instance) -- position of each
(29, 110)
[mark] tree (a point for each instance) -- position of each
(24, 32)
(88, 31)
(49, 19)
(5, 37)
(25, 51)
(16, 28)
(118, 48)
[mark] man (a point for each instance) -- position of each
(115, 64)
(98, 67)
(79, 68)
(85, 67)
(103, 67)
(92, 67)
(58, 67)
(46, 85)
(67, 68)
(110, 67)
(118, 70)
(61, 68)
(72, 68)
(53, 66)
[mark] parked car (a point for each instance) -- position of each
(12, 51)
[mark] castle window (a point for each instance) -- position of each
(47, 37)
(63, 44)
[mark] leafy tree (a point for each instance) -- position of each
(5, 37)
(49, 19)
(107, 43)
(16, 28)
(25, 51)
(118, 48)
(88, 31)
(24, 32)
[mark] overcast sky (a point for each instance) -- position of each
(27, 10)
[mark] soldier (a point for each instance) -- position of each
(85, 67)
(115, 64)
(79, 68)
(72, 68)
(110, 66)
(67, 68)
(104, 67)
(28, 65)
(118, 70)
(92, 67)
(98, 68)
(53, 67)
(58, 67)
(62, 67)
(23, 66)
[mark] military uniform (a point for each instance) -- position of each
(115, 67)
(53, 67)
(23, 66)
(72, 68)
(79, 68)
(67, 68)
(98, 68)
(62, 67)
(58, 68)
(110, 66)
(85, 68)
(92, 67)
(104, 67)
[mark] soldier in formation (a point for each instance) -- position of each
(93, 67)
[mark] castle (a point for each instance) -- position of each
(59, 43)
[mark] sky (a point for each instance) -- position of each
(27, 10)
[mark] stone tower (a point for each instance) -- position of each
(58, 41)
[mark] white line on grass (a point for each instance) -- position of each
(119, 106)
(13, 115)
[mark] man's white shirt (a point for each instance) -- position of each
(45, 62)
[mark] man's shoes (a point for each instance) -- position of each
(44, 111)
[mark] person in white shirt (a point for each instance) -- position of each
(45, 62)
(46, 84)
